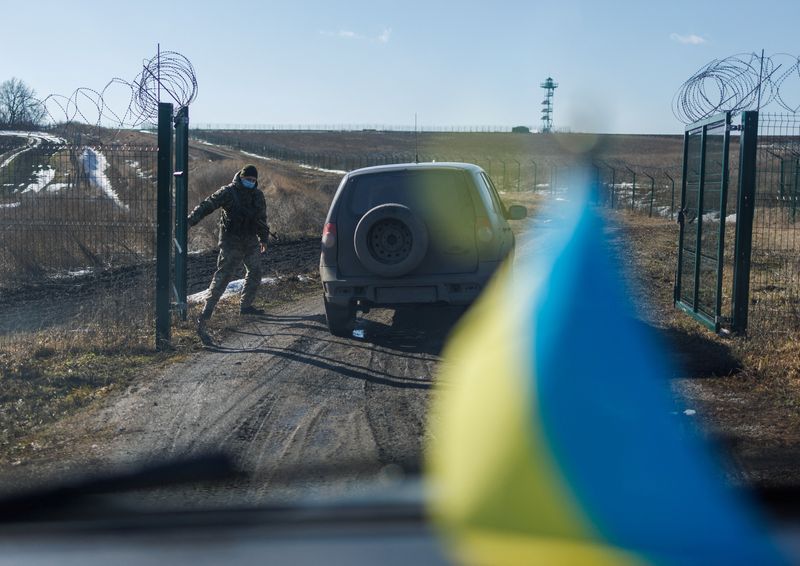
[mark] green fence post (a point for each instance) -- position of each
(672, 198)
(163, 225)
(181, 209)
(795, 196)
(698, 244)
(745, 210)
(633, 188)
(723, 206)
(613, 187)
(652, 193)
(677, 293)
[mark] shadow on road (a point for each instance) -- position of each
(695, 355)
(327, 364)
(411, 330)
(406, 334)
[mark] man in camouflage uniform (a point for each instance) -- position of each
(243, 234)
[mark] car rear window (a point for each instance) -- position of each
(441, 193)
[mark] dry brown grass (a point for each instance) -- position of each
(746, 390)
(297, 198)
(45, 376)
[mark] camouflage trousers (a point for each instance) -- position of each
(231, 256)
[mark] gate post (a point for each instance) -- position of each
(163, 225)
(745, 209)
(181, 208)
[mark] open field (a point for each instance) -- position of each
(641, 150)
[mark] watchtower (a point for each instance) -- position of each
(547, 111)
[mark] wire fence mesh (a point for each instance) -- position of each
(775, 274)
(77, 224)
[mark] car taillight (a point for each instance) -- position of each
(329, 235)
(483, 230)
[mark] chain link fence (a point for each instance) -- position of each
(77, 226)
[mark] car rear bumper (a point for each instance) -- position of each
(452, 289)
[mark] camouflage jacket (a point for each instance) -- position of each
(244, 212)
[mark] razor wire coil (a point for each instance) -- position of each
(168, 75)
(746, 81)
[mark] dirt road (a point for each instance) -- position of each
(280, 395)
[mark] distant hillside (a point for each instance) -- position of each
(644, 150)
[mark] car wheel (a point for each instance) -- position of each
(390, 240)
(340, 318)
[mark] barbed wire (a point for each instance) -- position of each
(747, 81)
(168, 73)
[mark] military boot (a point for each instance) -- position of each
(201, 329)
(251, 310)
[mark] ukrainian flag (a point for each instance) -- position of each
(553, 435)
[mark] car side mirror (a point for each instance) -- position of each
(516, 212)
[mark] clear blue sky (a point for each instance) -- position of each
(618, 64)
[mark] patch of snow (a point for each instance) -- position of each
(248, 154)
(232, 288)
(10, 204)
(72, 273)
(79, 272)
(55, 187)
(34, 139)
(95, 165)
(43, 178)
(13, 156)
(731, 218)
(138, 168)
(37, 137)
(336, 171)
(303, 166)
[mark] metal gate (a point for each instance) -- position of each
(704, 193)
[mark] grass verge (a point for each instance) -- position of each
(746, 391)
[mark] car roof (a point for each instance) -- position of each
(425, 166)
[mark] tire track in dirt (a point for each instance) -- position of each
(281, 395)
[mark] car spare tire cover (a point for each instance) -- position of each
(390, 240)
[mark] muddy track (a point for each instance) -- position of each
(290, 403)
(279, 394)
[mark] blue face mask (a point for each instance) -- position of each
(247, 183)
